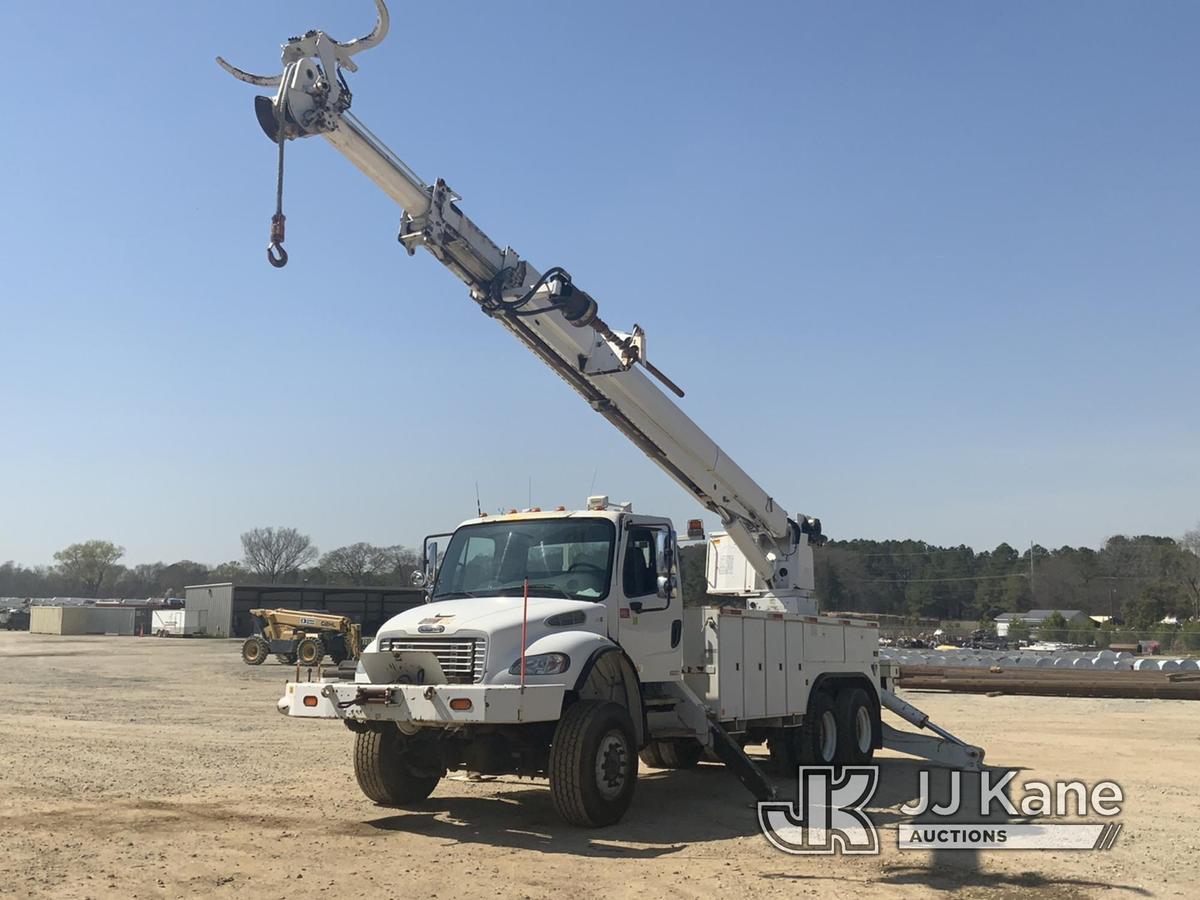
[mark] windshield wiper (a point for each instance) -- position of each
(451, 595)
(550, 587)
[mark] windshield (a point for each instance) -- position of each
(561, 558)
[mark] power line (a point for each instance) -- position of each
(929, 580)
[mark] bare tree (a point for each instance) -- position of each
(273, 553)
(357, 563)
(88, 563)
(400, 562)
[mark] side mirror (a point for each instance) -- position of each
(664, 552)
(431, 563)
(666, 586)
(417, 579)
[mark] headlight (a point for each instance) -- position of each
(542, 664)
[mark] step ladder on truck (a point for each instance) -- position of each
(557, 643)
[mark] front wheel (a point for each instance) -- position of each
(255, 650)
(593, 763)
(386, 772)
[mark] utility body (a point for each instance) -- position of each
(558, 643)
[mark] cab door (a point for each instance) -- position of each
(650, 607)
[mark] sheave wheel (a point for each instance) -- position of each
(255, 650)
(593, 763)
(310, 651)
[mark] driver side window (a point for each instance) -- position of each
(639, 576)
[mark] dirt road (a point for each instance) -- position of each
(159, 768)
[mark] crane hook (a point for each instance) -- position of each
(276, 255)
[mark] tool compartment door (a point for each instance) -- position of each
(729, 667)
(797, 678)
(754, 644)
(775, 664)
(862, 644)
(825, 642)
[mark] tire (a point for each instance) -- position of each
(383, 774)
(856, 713)
(784, 747)
(819, 736)
(593, 763)
(680, 753)
(310, 651)
(288, 659)
(255, 650)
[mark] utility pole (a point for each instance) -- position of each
(1031, 570)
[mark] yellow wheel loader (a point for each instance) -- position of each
(302, 636)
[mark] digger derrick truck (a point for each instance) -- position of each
(557, 643)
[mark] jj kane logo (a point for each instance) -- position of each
(830, 815)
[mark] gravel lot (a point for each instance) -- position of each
(158, 767)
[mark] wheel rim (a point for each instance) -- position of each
(863, 729)
(828, 736)
(612, 765)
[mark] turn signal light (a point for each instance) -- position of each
(462, 704)
(310, 700)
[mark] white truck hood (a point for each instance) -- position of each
(489, 615)
(498, 620)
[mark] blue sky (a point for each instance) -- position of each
(926, 270)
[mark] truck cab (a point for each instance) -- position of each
(556, 643)
(578, 582)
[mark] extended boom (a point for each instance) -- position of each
(547, 312)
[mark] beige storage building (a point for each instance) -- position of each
(81, 620)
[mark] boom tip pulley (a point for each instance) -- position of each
(331, 56)
(299, 47)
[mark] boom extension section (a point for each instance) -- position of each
(558, 321)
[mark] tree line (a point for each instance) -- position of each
(269, 554)
(1141, 579)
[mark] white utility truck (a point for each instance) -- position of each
(557, 643)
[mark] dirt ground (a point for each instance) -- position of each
(159, 767)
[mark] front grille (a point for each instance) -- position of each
(461, 659)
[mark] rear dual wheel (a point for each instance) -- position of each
(838, 729)
(856, 721)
